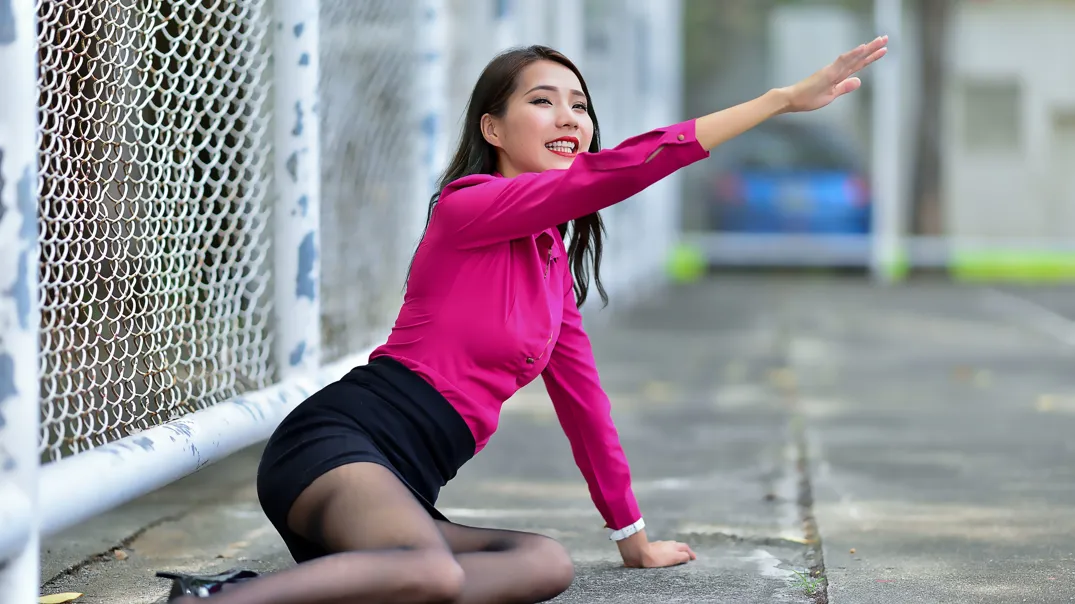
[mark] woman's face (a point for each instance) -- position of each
(546, 123)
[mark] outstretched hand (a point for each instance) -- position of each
(836, 79)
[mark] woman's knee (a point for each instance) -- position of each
(551, 560)
(438, 577)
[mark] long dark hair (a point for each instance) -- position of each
(476, 156)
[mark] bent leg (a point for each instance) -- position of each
(508, 567)
(388, 548)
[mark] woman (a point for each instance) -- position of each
(351, 476)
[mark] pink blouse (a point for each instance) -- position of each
(490, 305)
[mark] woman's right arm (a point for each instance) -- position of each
(482, 209)
(718, 128)
(814, 92)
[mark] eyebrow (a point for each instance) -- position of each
(554, 89)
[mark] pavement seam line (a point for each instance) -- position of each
(123, 543)
(806, 509)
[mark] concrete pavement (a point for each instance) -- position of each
(942, 434)
(917, 426)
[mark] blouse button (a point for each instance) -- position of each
(680, 137)
(530, 360)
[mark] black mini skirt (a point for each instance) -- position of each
(381, 412)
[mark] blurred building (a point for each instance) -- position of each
(1009, 127)
(984, 135)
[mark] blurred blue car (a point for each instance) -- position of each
(786, 177)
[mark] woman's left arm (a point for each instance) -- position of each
(585, 414)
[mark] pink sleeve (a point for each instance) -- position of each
(483, 209)
(584, 412)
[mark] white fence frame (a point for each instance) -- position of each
(19, 423)
(297, 170)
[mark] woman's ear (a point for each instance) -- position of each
(490, 130)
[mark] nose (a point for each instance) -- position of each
(568, 118)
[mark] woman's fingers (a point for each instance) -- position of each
(848, 85)
(877, 54)
(686, 549)
(858, 58)
(874, 50)
(848, 60)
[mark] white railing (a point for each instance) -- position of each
(19, 316)
(221, 200)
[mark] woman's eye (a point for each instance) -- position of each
(578, 106)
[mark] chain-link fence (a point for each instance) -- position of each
(153, 207)
(156, 190)
(156, 187)
(155, 196)
(370, 159)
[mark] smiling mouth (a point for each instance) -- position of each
(566, 146)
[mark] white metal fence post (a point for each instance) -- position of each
(19, 313)
(662, 83)
(505, 24)
(433, 94)
(567, 31)
(885, 240)
(297, 211)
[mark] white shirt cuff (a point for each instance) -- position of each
(627, 531)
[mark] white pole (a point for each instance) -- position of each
(122, 470)
(297, 236)
(15, 516)
(19, 312)
(432, 100)
(569, 32)
(885, 242)
(531, 20)
(665, 67)
(505, 24)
